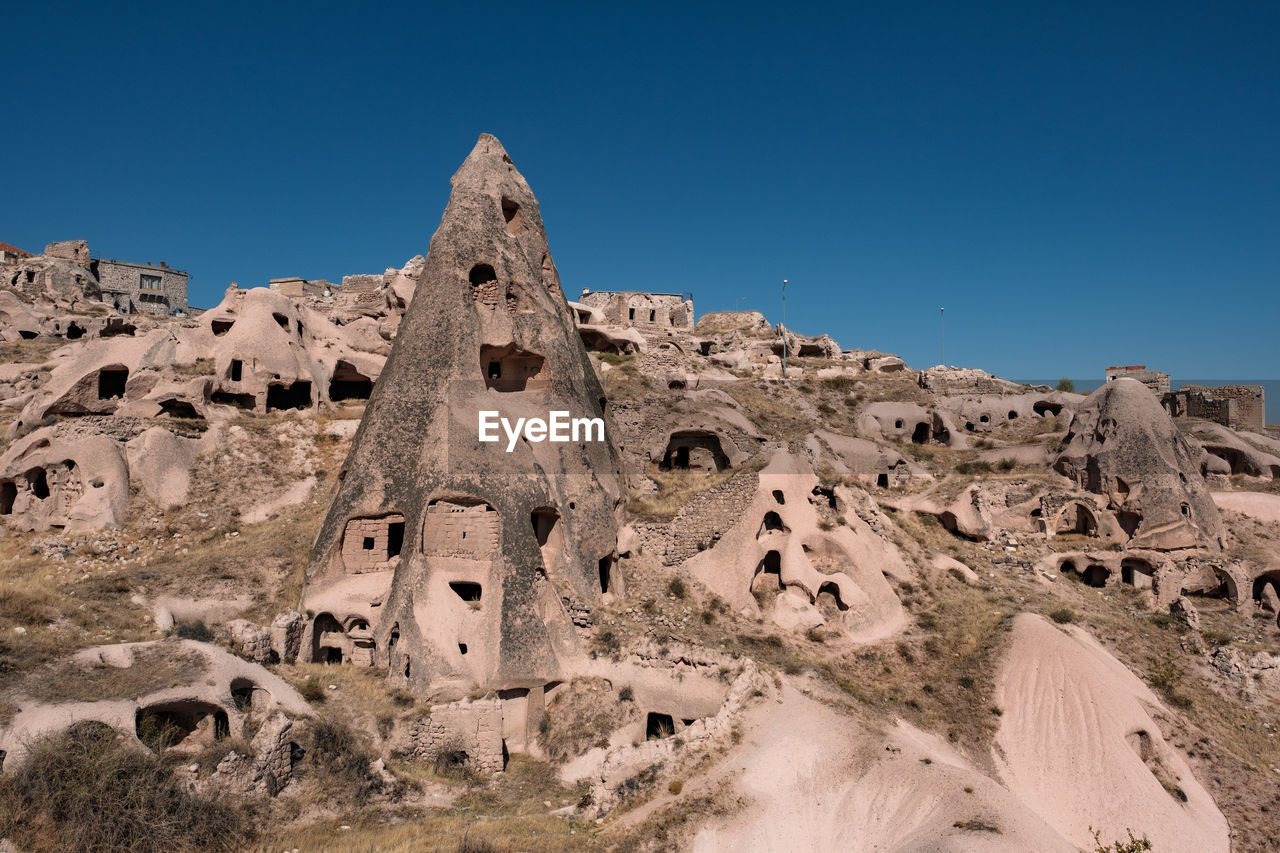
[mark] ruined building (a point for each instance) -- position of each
(448, 563)
(1155, 380)
(1241, 407)
(650, 311)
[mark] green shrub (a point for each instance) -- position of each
(1065, 384)
(978, 467)
(676, 587)
(1063, 615)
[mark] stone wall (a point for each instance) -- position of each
(457, 530)
(69, 250)
(368, 545)
(467, 732)
(362, 283)
(121, 277)
(1236, 406)
(642, 310)
(700, 523)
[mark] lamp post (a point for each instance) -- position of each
(784, 328)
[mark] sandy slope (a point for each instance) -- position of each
(810, 779)
(1260, 505)
(1077, 744)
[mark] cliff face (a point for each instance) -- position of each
(445, 559)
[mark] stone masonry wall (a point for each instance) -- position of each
(1250, 404)
(355, 556)
(642, 310)
(700, 523)
(124, 277)
(473, 728)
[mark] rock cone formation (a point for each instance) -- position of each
(447, 560)
(1123, 446)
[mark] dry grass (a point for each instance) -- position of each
(773, 406)
(361, 693)
(29, 352)
(199, 367)
(164, 665)
(508, 813)
(623, 380)
(86, 789)
(338, 761)
(675, 489)
(940, 675)
(582, 717)
(72, 590)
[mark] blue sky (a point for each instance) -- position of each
(1091, 184)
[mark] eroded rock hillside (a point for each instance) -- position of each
(257, 562)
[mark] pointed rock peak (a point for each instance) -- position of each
(487, 160)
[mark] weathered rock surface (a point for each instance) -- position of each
(1122, 445)
(445, 559)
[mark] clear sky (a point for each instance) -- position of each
(1091, 184)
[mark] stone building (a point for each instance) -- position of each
(131, 287)
(11, 254)
(1240, 407)
(1153, 379)
(76, 251)
(299, 287)
(642, 310)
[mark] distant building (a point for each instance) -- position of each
(10, 254)
(299, 287)
(642, 310)
(1155, 380)
(1240, 407)
(134, 287)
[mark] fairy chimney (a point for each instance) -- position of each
(451, 562)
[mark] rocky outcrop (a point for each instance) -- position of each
(1123, 446)
(803, 557)
(448, 561)
(187, 692)
(50, 479)
(268, 766)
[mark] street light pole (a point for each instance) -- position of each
(784, 328)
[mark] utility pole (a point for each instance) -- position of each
(942, 334)
(784, 328)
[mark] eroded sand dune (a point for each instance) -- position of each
(810, 779)
(1079, 746)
